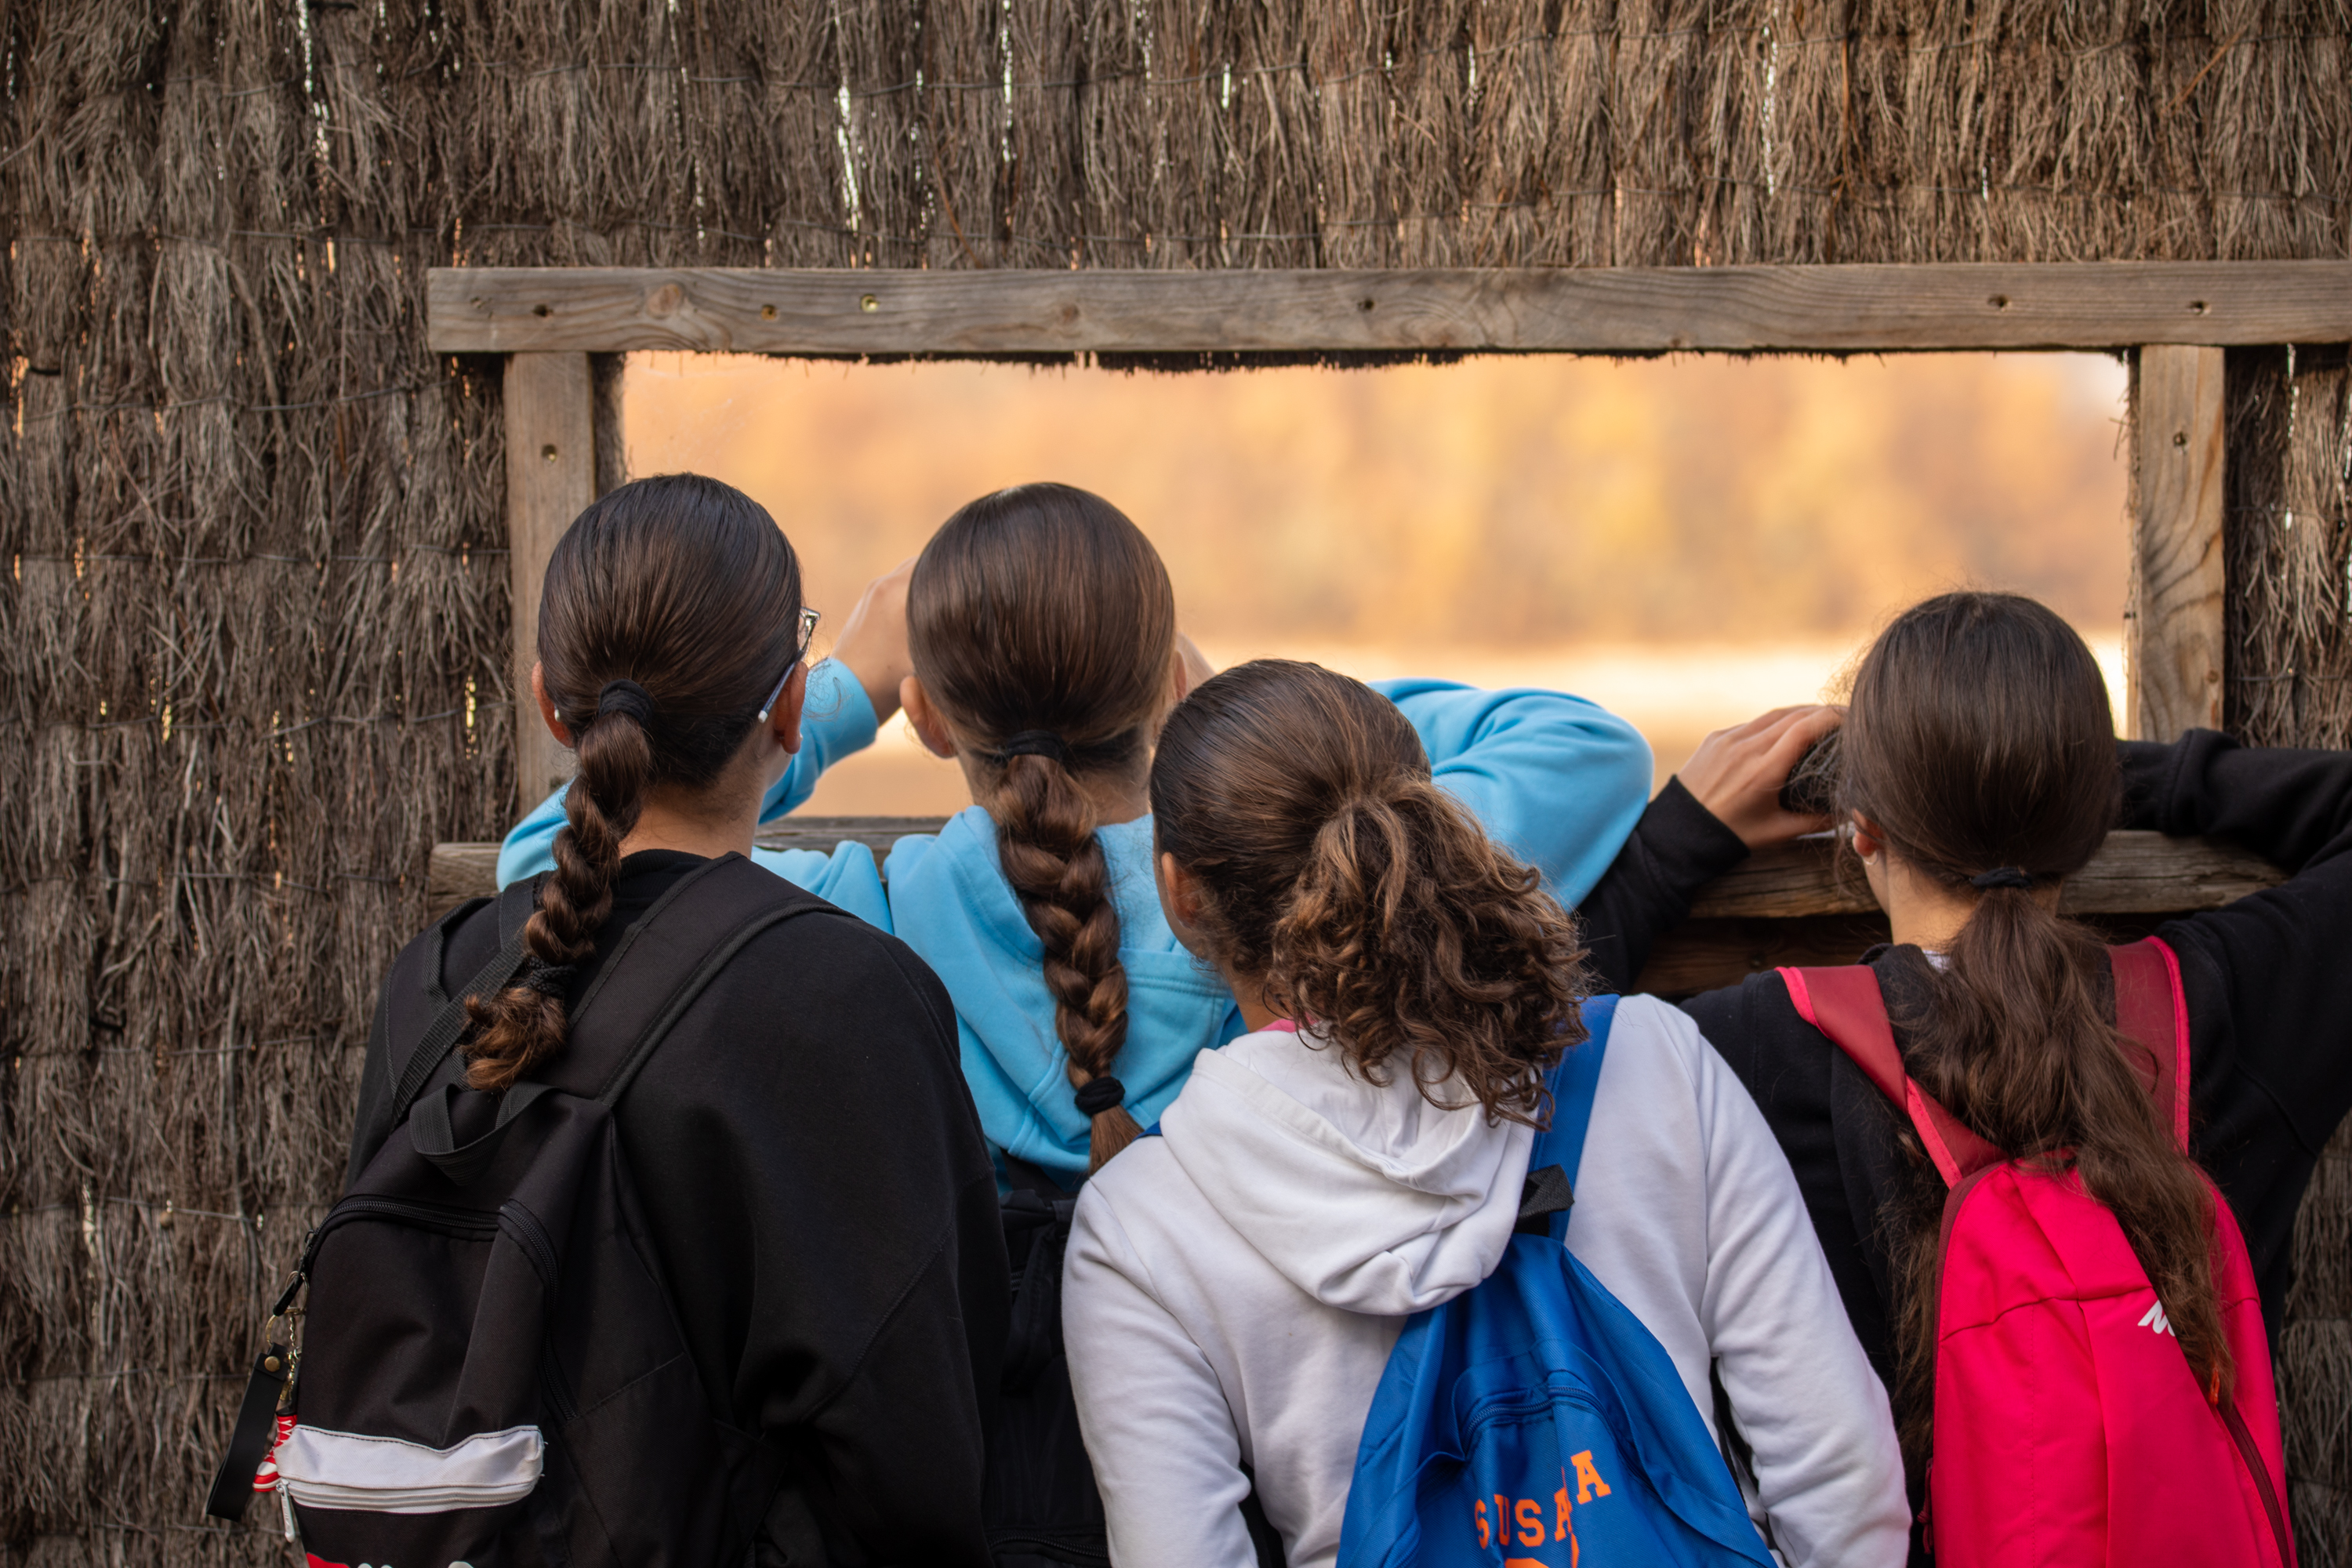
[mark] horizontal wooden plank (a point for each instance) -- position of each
(2133, 873)
(2109, 304)
(1702, 954)
(455, 872)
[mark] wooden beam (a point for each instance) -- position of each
(2105, 304)
(2173, 618)
(551, 480)
(1793, 886)
(2132, 873)
(456, 872)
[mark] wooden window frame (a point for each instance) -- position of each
(2173, 319)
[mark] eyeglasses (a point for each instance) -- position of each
(809, 619)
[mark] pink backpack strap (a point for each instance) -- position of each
(1846, 1005)
(2152, 1012)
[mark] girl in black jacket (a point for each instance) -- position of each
(803, 1142)
(2268, 993)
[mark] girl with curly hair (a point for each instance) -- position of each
(1233, 1287)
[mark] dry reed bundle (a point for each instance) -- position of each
(253, 616)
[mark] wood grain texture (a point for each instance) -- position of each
(2173, 658)
(550, 407)
(2108, 304)
(456, 872)
(2136, 874)
(2132, 873)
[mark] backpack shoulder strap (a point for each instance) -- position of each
(2152, 1012)
(1573, 1084)
(514, 906)
(1846, 1005)
(667, 960)
(1557, 1151)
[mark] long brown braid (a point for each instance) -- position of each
(671, 609)
(1043, 625)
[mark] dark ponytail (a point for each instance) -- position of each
(1361, 895)
(1982, 747)
(1043, 625)
(671, 609)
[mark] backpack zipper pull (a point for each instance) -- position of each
(285, 1507)
(1928, 1506)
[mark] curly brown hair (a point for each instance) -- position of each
(1359, 895)
(1040, 614)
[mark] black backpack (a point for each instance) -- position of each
(494, 1374)
(1040, 1500)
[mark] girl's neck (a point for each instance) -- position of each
(1924, 912)
(1112, 794)
(707, 822)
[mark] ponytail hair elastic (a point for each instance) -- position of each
(626, 696)
(1035, 743)
(1100, 1094)
(2002, 876)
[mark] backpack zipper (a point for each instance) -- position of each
(2251, 1457)
(531, 1237)
(443, 1218)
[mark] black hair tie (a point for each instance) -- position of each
(547, 979)
(626, 696)
(2002, 876)
(1100, 1094)
(1036, 744)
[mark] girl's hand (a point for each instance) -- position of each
(1736, 773)
(872, 642)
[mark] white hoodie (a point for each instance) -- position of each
(1232, 1289)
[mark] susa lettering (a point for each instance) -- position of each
(1504, 1522)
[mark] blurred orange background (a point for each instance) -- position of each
(1686, 541)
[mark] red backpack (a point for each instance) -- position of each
(2069, 1428)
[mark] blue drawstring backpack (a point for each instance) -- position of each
(1533, 1421)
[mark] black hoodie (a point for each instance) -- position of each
(813, 1174)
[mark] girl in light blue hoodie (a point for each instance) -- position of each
(1041, 630)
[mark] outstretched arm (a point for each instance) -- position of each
(2269, 992)
(1557, 780)
(1724, 804)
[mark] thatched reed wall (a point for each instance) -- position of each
(252, 624)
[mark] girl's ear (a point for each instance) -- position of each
(555, 726)
(1180, 900)
(1868, 841)
(1192, 667)
(928, 727)
(784, 719)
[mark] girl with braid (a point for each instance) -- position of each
(813, 1177)
(1034, 640)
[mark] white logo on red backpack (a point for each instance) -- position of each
(2155, 1320)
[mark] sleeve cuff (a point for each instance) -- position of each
(839, 718)
(1683, 834)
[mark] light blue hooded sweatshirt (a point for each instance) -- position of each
(1556, 779)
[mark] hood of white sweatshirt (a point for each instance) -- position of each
(1368, 1197)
